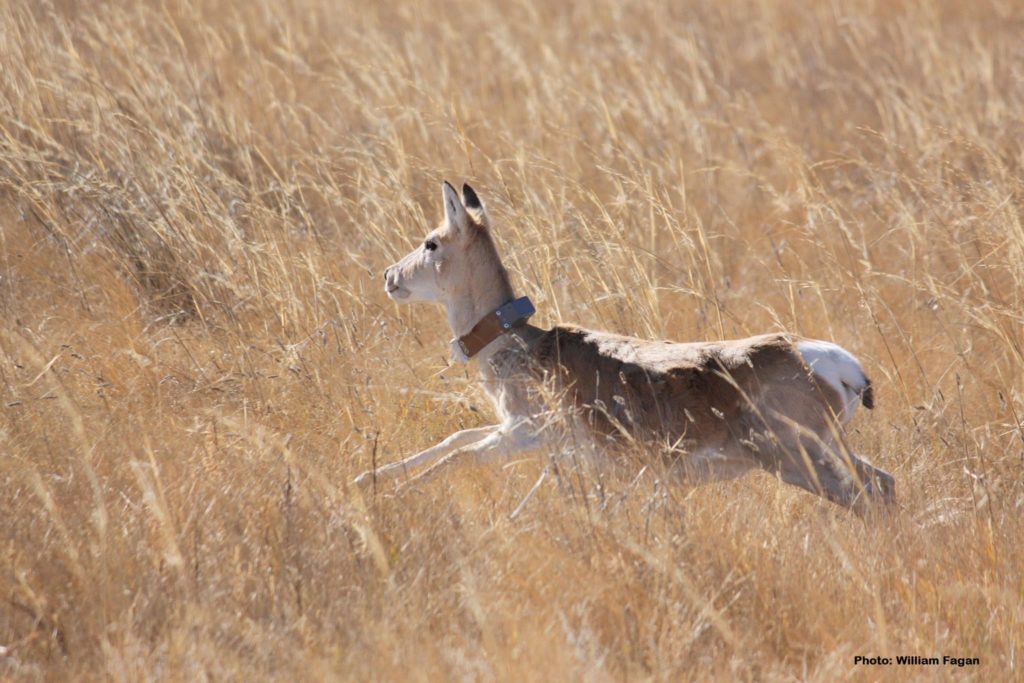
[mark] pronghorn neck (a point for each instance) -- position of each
(483, 288)
(465, 311)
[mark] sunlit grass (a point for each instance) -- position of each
(196, 355)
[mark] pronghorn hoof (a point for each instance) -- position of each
(363, 480)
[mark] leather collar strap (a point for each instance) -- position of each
(496, 323)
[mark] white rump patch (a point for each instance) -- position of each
(838, 368)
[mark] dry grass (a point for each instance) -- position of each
(196, 201)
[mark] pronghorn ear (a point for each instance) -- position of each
(469, 197)
(474, 205)
(454, 212)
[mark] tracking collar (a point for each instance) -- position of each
(501, 320)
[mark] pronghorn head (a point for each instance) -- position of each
(456, 265)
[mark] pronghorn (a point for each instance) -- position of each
(773, 402)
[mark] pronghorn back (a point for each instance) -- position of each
(704, 392)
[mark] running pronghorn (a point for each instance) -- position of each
(720, 409)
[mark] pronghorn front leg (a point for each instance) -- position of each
(504, 442)
(456, 440)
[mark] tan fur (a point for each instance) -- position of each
(745, 403)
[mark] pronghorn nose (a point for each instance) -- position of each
(386, 274)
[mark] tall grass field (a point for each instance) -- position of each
(197, 356)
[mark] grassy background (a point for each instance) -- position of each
(196, 356)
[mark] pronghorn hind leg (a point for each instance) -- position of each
(877, 483)
(839, 476)
(808, 450)
(457, 440)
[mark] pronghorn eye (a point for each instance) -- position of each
(430, 245)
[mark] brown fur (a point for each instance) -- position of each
(665, 390)
(749, 402)
(679, 393)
